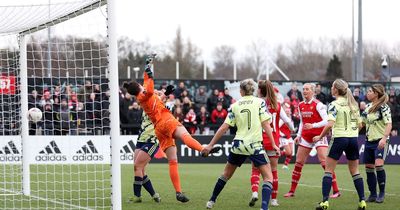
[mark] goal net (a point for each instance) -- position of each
(56, 53)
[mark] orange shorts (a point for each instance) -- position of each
(165, 129)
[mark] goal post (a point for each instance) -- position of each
(60, 57)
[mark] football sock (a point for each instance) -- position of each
(191, 142)
(255, 179)
(335, 187)
(296, 176)
(174, 175)
(266, 193)
(147, 185)
(326, 186)
(218, 188)
(371, 180)
(359, 184)
(274, 184)
(137, 185)
(381, 177)
(288, 159)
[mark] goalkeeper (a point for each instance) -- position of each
(167, 128)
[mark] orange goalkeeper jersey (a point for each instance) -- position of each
(150, 102)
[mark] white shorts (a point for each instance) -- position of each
(272, 153)
(306, 144)
(284, 141)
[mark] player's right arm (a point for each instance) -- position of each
(148, 84)
(332, 114)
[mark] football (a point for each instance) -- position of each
(35, 115)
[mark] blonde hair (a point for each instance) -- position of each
(383, 98)
(312, 86)
(247, 86)
(343, 90)
(267, 90)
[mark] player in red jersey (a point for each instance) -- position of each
(267, 92)
(313, 118)
(286, 140)
(167, 128)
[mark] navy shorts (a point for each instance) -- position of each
(149, 148)
(349, 145)
(371, 152)
(238, 160)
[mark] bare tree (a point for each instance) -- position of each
(223, 61)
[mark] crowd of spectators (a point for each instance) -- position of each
(71, 110)
(84, 109)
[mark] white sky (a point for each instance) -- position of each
(211, 23)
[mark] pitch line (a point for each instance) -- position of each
(342, 189)
(49, 200)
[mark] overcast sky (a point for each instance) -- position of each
(211, 23)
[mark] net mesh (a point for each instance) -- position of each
(67, 80)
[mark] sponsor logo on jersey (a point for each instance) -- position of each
(87, 152)
(127, 151)
(10, 153)
(51, 153)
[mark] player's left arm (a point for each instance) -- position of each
(321, 108)
(148, 83)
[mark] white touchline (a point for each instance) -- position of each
(343, 189)
(44, 199)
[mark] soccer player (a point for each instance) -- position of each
(313, 118)
(285, 140)
(378, 119)
(146, 147)
(267, 92)
(167, 128)
(249, 115)
(343, 119)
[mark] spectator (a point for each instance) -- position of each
(212, 100)
(320, 95)
(356, 95)
(124, 105)
(34, 100)
(227, 99)
(178, 91)
(190, 121)
(93, 114)
(203, 119)
(105, 112)
(46, 98)
(221, 99)
(218, 116)
(63, 117)
(178, 114)
(81, 114)
(135, 117)
(186, 105)
(170, 103)
(200, 98)
(279, 95)
(295, 110)
(184, 94)
(49, 117)
(295, 91)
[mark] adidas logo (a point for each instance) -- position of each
(51, 153)
(127, 151)
(87, 152)
(10, 153)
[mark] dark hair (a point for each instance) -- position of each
(132, 87)
(267, 90)
(383, 98)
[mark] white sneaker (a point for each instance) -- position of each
(210, 204)
(274, 202)
(285, 167)
(254, 199)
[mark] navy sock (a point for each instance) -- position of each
(371, 180)
(266, 194)
(218, 188)
(137, 186)
(359, 184)
(147, 185)
(381, 177)
(326, 185)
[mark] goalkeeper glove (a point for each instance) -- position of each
(148, 71)
(170, 89)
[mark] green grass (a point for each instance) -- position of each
(198, 181)
(89, 185)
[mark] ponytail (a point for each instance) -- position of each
(351, 101)
(383, 98)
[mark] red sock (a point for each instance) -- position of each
(174, 175)
(191, 142)
(335, 187)
(288, 159)
(274, 184)
(255, 179)
(296, 176)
